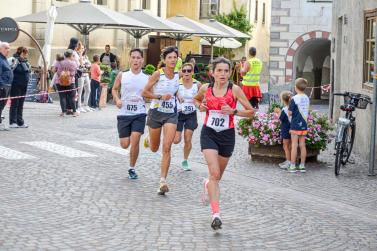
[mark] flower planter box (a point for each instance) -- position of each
(276, 153)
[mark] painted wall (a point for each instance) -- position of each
(348, 47)
(190, 9)
(291, 19)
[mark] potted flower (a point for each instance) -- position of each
(263, 134)
(105, 80)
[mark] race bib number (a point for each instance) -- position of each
(167, 106)
(188, 107)
(218, 121)
(134, 105)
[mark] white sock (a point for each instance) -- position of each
(216, 215)
(162, 179)
(131, 167)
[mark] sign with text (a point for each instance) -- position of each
(8, 30)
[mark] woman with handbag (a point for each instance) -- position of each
(21, 73)
(66, 71)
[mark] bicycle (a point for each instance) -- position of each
(346, 126)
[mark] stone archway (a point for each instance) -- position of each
(314, 44)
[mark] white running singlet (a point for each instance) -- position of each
(188, 95)
(166, 86)
(131, 88)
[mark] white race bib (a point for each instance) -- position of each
(134, 105)
(167, 106)
(188, 107)
(218, 121)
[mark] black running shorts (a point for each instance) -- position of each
(129, 124)
(223, 141)
(187, 121)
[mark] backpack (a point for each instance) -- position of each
(65, 78)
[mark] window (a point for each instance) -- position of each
(209, 8)
(256, 11)
(146, 4)
(264, 13)
(369, 44)
(102, 2)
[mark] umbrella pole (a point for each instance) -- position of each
(44, 70)
(179, 45)
(137, 43)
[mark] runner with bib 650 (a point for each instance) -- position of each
(132, 115)
(217, 139)
(187, 117)
(162, 88)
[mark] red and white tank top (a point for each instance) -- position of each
(214, 118)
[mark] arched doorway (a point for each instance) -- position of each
(308, 57)
(308, 63)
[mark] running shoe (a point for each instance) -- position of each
(132, 174)
(3, 128)
(23, 126)
(216, 223)
(185, 166)
(285, 164)
(163, 188)
(146, 141)
(292, 168)
(14, 125)
(301, 168)
(205, 197)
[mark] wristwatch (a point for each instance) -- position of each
(235, 111)
(159, 97)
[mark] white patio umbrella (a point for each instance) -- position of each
(228, 43)
(49, 35)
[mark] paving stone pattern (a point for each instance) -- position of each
(52, 202)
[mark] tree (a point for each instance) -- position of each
(238, 20)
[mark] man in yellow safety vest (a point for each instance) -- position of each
(251, 73)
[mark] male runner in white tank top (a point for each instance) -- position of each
(132, 115)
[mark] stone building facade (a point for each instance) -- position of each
(300, 42)
(352, 55)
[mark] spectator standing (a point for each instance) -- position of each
(84, 84)
(108, 57)
(6, 79)
(95, 73)
(21, 72)
(66, 71)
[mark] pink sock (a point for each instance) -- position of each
(215, 207)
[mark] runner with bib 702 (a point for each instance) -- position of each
(217, 139)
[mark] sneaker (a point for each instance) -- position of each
(76, 114)
(23, 126)
(13, 125)
(285, 164)
(163, 188)
(185, 166)
(291, 168)
(88, 109)
(205, 197)
(82, 110)
(146, 141)
(216, 223)
(301, 168)
(3, 128)
(132, 174)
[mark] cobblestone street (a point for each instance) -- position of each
(64, 186)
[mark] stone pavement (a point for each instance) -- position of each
(54, 197)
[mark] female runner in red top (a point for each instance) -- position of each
(217, 139)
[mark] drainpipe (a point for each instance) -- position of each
(374, 116)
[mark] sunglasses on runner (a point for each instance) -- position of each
(188, 71)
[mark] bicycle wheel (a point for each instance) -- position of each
(350, 137)
(338, 157)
